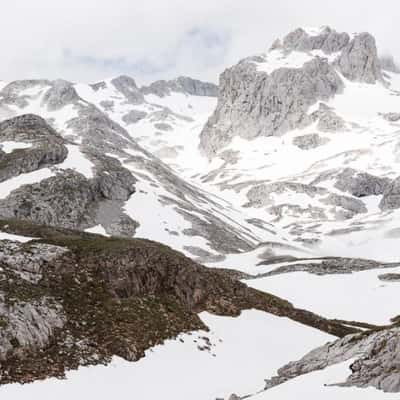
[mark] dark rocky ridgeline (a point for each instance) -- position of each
(69, 298)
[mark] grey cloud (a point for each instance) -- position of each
(155, 39)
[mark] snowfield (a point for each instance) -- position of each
(243, 352)
(359, 296)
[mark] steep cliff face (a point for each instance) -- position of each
(271, 94)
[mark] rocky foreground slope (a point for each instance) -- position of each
(69, 298)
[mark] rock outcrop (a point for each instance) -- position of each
(309, 141)
(359, 60)
(391, 196)
(60, 94)
(127, 87)
(327, 40)
(96, 297)
(357, 183)
(253, 102)
(376, 361)
(47, 149)
(182, 84)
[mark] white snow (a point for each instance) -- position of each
(277, 58)
(245, 351)
(9, 146)
(29, 178)
(16, 238)
(77, 161)
(359, 296)
(98, 229)
(314, 30)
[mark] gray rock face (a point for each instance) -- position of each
(391, 196)
(28, 327)
(328, 40)
(357, 183)
(108, 105)
(182, 84)
(162, 126)
(328, 120)
(328, 266)
(389, 277)
(69, 199)
(48, 147)
(349, 206)
(10, 94)
(359, 60)
(134, 116)
(253, 104)
(309, 141)
(59, 95)
(99, 85)
(260, 196)
(391, 117)
(28, 262)
(377, 361)
(64, 200)
(127, 86)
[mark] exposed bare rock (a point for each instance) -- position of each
(134, 116)
(260, 196)
(182, 84)
(377, 361)
(11, 94)
(357, 183)
(328, 266)
(349, 205)
(391, 117)
(327, 40)
(59, 95)
(359, 60)
(27, 326)
(390, 277)
(391, 196)
(328, 120)
(47, 146)
(253, 103)
(127, 86)
(28, 261)
(309, 141)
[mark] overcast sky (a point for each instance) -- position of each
(89, 40)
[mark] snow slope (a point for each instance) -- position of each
(243, 351)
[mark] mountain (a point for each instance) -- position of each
(305, 138)
(196, 229)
